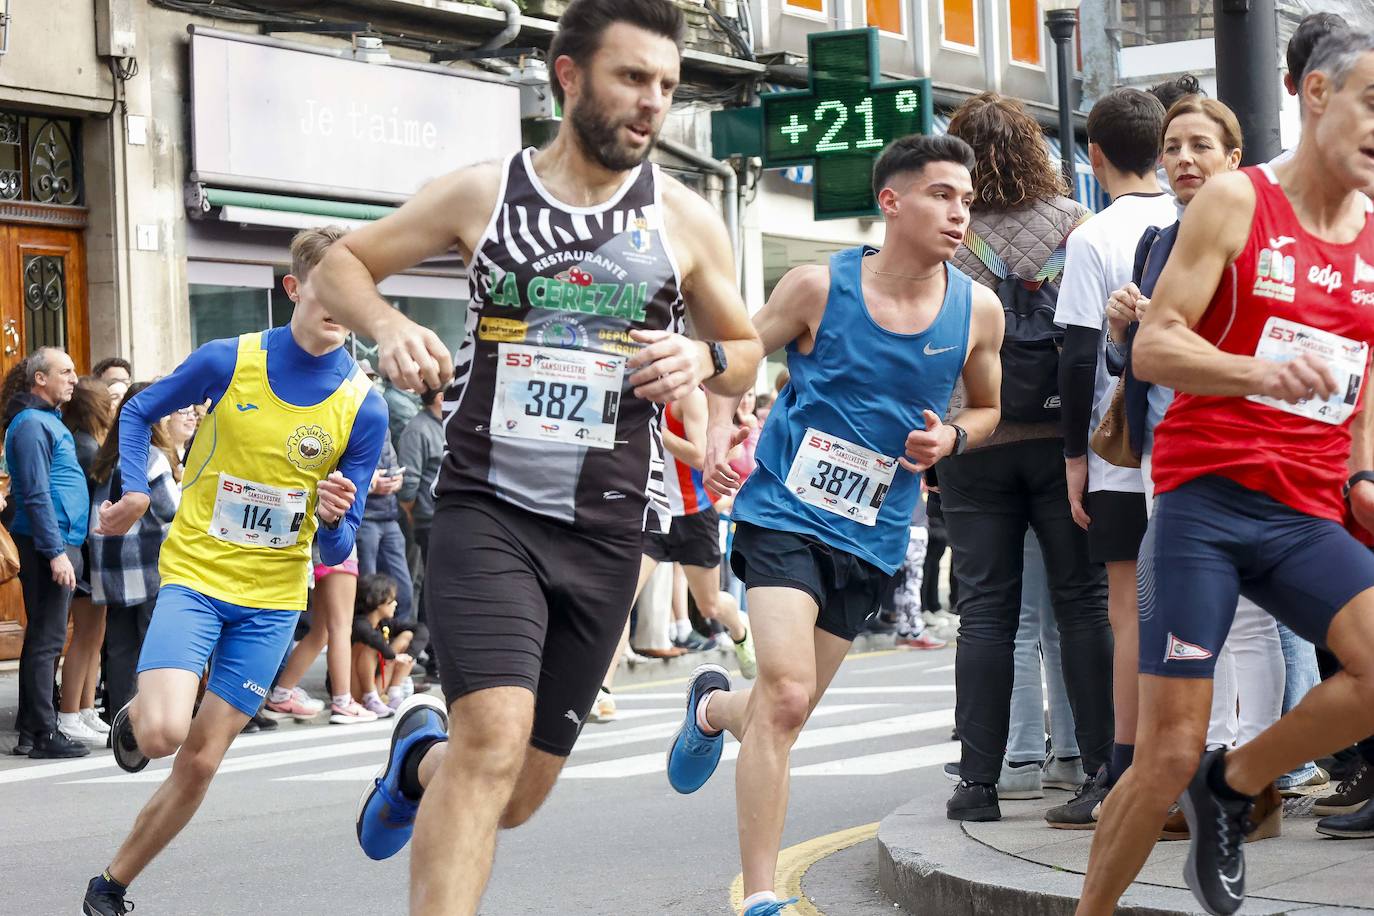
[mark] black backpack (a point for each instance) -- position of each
(1032, 341)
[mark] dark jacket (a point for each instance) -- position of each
(421, 451)
(381, 508)
(51, 501)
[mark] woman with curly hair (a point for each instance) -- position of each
(1007, 499)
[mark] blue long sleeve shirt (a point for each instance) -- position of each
(297, 378)
(47, 483)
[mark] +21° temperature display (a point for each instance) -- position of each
(843, 120)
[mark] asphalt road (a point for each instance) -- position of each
(276, 833)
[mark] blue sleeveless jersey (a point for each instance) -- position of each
(868, 386)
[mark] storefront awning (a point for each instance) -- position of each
(287, 212)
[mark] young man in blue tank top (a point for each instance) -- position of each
(875, 342)
(583, 259)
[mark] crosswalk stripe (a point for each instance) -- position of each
(245, 743)
(681, 696)
(644, 764)
(908, 758)
(595, 741)
(258, 761)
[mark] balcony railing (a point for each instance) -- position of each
(1153, 22)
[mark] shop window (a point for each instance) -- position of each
(445, 317)
(227, 311)
(1023, 20)
(959, 20)
(1151, 22)
(40, 159)
(886, 15)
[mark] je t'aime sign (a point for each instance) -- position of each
(276, 119)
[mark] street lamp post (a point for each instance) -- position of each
(1061, 18)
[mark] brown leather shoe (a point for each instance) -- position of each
(1176, 827)
(672, 652)
(1266, 818)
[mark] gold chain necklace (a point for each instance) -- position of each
(892, 273)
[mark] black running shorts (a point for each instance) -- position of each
(847, 590)
(1117, 525)
(692, 540)
(521, 600)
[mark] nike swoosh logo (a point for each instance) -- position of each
(246, 407)
(1281, 241)
(936, 351)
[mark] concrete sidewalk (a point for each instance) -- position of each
(1019, 865)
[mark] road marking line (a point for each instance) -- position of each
(795, 861)
(883, 764)
(245, 743)
(857, 656)
(258, 761)
(832, 692)
(645, 764)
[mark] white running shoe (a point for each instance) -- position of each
(744, 653)
(94, 722)
(603, 710)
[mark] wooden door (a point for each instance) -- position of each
(42, 303)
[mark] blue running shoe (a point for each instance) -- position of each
(693, 755)
(386, 816)
(771, 908)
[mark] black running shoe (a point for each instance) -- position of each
(264, 722)
(55, 745)
(1082, 811)
(125, 745)
(1357, 825)
(1215, 868)
(104, 902)
(973, 801)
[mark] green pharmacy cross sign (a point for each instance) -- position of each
(842, 121)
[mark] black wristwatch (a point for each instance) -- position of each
(1357, 477)
(960, 439)
(718, 360)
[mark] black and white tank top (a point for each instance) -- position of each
(540, 413)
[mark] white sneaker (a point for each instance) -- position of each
(94, 722)
(70, 724)
(603, 710)
(407, 688)
(305, 699)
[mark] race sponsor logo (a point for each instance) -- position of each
(1362, 296)
(502, 330)
(574, 289)
(563, 333)
(255, 688)
(1277, 243)
(1274, 275)
(1328, 278)
(309, 447)
(1364, 271)
(1180, 650)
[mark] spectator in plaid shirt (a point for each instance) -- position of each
(124, 572)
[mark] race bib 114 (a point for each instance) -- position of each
(257, 515)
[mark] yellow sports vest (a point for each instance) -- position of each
(247, 515)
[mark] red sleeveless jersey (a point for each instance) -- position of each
(1287, 292)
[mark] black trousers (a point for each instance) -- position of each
(125, 627)
(46, 604)
(990, 497)
(936, 546)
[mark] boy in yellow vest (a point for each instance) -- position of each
(285, 455)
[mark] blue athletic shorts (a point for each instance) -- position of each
(243, 645)
(1212, 540)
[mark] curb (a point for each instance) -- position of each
(929, 865)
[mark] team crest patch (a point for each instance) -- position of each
(641, 239)
(1183, 651)
(309, 447)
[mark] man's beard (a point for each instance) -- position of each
(599, 135)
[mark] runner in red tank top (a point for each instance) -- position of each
(1262, 321)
